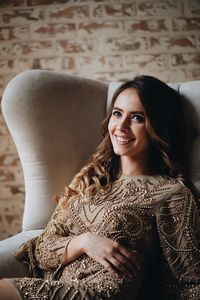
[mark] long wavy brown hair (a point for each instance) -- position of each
(165, 127)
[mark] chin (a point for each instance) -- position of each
(120, 152)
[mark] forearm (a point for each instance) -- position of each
(73, 249)
(49, 251)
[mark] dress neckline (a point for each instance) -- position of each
(123, 176)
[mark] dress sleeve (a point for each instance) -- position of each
(178, 225)
(45, 252)
(52, 242)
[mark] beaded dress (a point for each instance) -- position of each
(153, 216)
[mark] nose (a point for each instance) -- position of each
(123, 124)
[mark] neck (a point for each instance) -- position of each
(129, 166)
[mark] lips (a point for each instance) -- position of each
(123, 140)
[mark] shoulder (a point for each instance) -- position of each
(154, 188)
(172, 193)
(159, 184)
(172, 186)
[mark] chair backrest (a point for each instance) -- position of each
(54, 119)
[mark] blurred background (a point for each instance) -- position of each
(108, 40)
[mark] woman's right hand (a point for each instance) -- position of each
(113, 256)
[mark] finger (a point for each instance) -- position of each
(109, 267)
(132, 268)
(120, 267)
(133, 258)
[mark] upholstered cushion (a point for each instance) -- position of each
(54, 119)
(9, 265)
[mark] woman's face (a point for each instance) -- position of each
(127, 126)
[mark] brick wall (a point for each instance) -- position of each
(107, 40)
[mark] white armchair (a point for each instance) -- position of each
(54, 120)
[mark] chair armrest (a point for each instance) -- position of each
(9, 265)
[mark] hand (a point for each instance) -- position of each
(114, 257)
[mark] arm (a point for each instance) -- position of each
(51, 244)
(114, 257)
(55, 247)
(178, 224)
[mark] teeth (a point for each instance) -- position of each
(122, 140)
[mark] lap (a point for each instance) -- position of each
(37, 288)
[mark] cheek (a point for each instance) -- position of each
(110, 127)
(146, 138)
(143, 135)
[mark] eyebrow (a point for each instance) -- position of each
(132, 112)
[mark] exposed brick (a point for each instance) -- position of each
(182, 43)
(7, 145)
(69, 64)
(23, 48)
(40, 31)
(46, 2)
(118, 10)
(188, 59)
(97, 11)
(161, 74)
(159, 8)
(194, 74)
(9, 160)
(11, 3)
(5, 49)
(12, 175)
(17, 32)
(114, 62)
(48, 63)
(3, 129)
(8, 77)
(101, 28)
(145, 26)
(84, 63)
(178, 76)
(1, 92)
(9, 66)
(198, 42)
(76, 46)
(22, 15)
(148, 61)
(71, 12)
(3, 145)
(16, 189)
(179, 43)
(32, 48)
(114, 76)
(130, 74)
(180, 24)
(128, 43)
(11, 212)
(191, 7)
(6, 175)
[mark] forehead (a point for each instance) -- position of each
(129, 99)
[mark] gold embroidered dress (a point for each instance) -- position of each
(155, 216)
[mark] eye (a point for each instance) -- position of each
(117, 113)
(139, 118)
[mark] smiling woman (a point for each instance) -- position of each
(128, 134)
(127, 226)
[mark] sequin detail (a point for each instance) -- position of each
(155, 217)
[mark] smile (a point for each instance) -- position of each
(121, 140)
